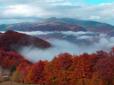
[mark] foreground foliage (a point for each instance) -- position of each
(64, 69)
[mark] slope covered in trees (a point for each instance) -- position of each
(64, 69)
(10, 59)
(12, 40)
(67, 69)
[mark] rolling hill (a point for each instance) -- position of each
(11, 40)
(60, 24)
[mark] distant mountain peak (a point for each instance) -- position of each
(61, 24)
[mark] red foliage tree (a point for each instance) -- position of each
(36, 73)
(63, 61)
(10, 59)
(65, 69)
(105, 68)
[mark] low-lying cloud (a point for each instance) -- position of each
(62, 46)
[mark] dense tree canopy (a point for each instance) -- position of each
(64, 69)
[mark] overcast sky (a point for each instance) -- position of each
(98, 10)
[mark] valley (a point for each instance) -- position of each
(56, 53)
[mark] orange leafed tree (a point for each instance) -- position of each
(66, 69)
(36, 73)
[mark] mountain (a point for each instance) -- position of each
(88, 25)
(11, 40)
(111, 33)
(60, 24)
(45, 26)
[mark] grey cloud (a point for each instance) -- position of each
(58, 8)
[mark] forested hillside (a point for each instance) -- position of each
(64, 69)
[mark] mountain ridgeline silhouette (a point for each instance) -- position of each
(60, 24)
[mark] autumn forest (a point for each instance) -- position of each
(64, 69)
(56, 42)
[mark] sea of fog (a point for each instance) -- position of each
(62, 46)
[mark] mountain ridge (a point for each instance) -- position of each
(11, 40)
(60, 24)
